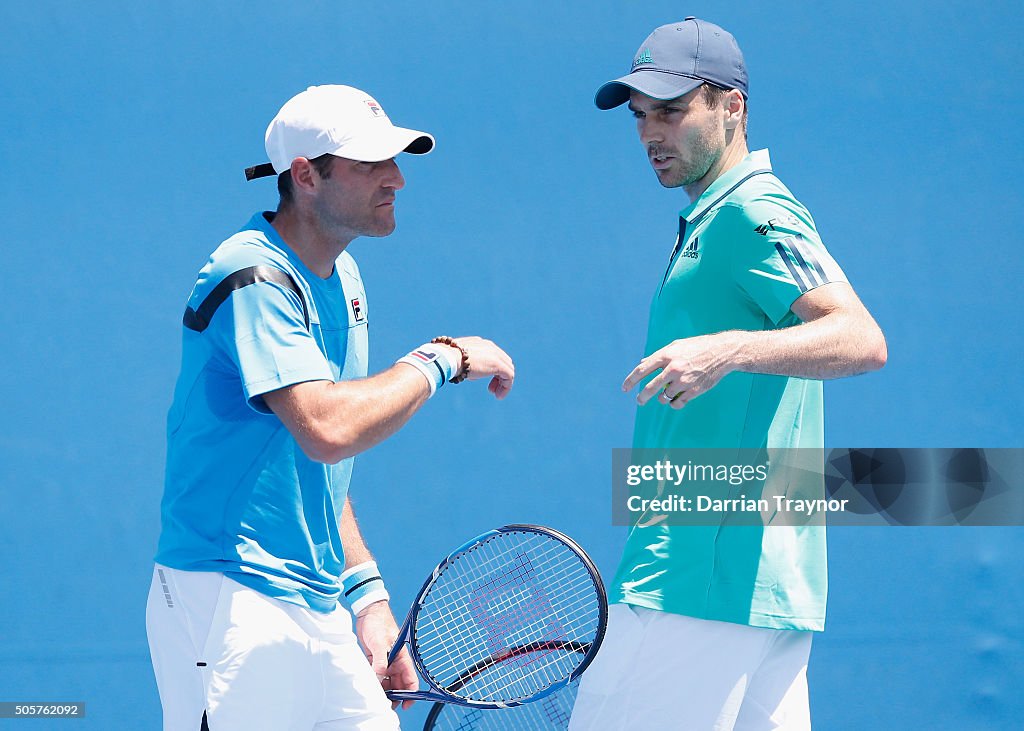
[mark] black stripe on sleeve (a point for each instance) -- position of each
(812, 277)
(808, 253)
(199, 319)
(792, 269)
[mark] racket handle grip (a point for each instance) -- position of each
(412, 695)
(428, 695)
(395, 652)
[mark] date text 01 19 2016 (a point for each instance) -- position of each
(13, 709)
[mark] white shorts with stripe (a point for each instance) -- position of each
(666, 671)
(252, 662)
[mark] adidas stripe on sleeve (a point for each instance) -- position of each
(777, 256)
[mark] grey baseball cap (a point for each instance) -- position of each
(676, 59)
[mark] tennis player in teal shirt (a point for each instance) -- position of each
(712, 624)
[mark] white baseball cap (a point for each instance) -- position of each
(339, 120)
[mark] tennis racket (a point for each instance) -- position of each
(508, 618)
(550, 713)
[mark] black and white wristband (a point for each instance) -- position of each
(362, 586)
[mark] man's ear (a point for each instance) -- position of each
(734, 104)
(304, 177)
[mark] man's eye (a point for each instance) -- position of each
(638, 115)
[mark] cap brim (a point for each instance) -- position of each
(655, 84)
(374, 148)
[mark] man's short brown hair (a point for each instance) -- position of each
(284, 180)
(713, 98)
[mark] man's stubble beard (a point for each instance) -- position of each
(338, 226)
(707, 149)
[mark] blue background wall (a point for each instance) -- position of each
(537, 223)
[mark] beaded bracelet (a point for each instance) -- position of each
(445, 340)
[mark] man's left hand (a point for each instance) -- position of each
(689, 367)
(377, 631)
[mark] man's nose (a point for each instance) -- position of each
(650, 132)
(393, 176)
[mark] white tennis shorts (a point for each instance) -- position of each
(661, 671)
(255, 663)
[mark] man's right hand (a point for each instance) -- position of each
(487, 360)
(333, 421)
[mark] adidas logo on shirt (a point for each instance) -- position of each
(691, 251)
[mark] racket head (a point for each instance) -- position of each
(551, 713)
(507, 618)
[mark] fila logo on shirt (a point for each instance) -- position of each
(691, 251)
(764, 228)
(357, 310)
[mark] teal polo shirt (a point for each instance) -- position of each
(746, 250)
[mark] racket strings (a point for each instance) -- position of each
(555, 711)
(518, 662)
(513, 591)
(530, 640)
(504, 625)
(549, 714)
(564, 612)
(499, 617)
(575, 581)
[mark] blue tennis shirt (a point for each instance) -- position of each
(240, 496)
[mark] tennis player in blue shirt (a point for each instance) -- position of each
(260, 566)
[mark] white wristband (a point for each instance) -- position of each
(433, 363)
(367, 599)
(362, 586)
(451, 367)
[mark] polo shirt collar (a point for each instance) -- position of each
(263, 222)
(756, 160)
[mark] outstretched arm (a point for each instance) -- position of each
(333, 421)
(837, 338)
